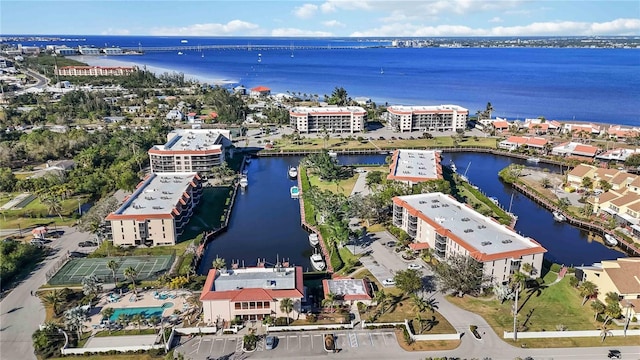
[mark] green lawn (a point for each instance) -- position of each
(558, 304)
(343, 186)
(37, 214)
(106, 333)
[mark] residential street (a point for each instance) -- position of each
(20, 312)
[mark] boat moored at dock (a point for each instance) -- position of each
(609, 240)
(314, 240)
(559, 217)
(295, 192)
(317, 262)
(293, 172)
(244, 181)
(533, 160)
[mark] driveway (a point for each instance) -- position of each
(21, 313)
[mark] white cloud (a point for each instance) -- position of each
(286, 32)
(334, 5)
(333, 23)
(233, 27)
(305, 11)
(111, 31)
(614, 27)
(495, 19)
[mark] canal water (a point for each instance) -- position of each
(265, 222)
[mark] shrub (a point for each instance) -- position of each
(555, 268)
(573, 281)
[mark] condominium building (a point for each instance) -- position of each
(414, 166)
(439, 222)
(193, 150)
(95, 70)
(89, 50)
(332, 119)
(251, 293)
(158, 210)
(427, 118)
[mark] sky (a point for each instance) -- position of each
(329, 18)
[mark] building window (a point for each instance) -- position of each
(238, 306)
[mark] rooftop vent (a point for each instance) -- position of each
(157, 207)
(485, 243)
(468, 230)
(482, 226)
(507, 241)
(465, 219)
(422, 202)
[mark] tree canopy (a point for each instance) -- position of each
(461, 275)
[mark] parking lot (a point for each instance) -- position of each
(293, 345)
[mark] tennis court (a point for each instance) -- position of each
(148, 267)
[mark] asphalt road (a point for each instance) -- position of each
(41, 81)
(20, 312)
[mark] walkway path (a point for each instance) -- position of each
(20, 312)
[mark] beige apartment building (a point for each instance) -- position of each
(95, 70)
(439, 222)
(194, 150)
(158, 210)
(251, 293)
(342, 119)
(427, 118)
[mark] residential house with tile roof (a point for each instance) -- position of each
(575, 149)
(515, 142)
(621, 276)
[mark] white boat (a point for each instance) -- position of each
(452, 166)
(557, 216)
(381, 71)
(534, 160)
(244, 181)
(314, 240)
(317, 262)
(610, 240)
(184, 41)
(295, 192)
(179, 52)
(293, 172)
(333, 154)
(494, 200)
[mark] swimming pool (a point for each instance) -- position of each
(146, 312)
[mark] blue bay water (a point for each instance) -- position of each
(598, 85)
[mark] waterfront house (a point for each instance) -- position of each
(621, 276)
(427, 118)
(450, 227)
(618, 132)
(349, 291)
(575, 149)
(617, 155)
(500, 125)
(338, 119)
(581, 129)
(251, 293)
(191, 117)
(575, 176)
(514, 142)
(414, 166)
(158, 210)
(194, 150)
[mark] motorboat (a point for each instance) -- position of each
(317, 262)
(184, 41)
(295, 192)
(610, 240)
(244, 181)
(314, 240)
(559, 217)
(534, 160)
(293, 172)
(179, 52)
(452, 166)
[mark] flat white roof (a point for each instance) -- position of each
(479, 231)
(347, 287)
(416, 164)
(256, 278)
(158, 194)
(324, 110)
(194, 139)
(405, 108)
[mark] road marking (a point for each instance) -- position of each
(353, 340)
(238, 346)
(211, 349)
(370, 339)
(197, 350)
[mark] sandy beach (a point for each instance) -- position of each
(137, 60)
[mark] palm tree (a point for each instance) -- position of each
(123, 320)
(154, 320)
(604, 332)
(131, 273)
(75, 318)
(527, 268)
(54, 299)
(612, 311)
(329, 300)
(107, 313)
(545, 182)
(218, 263)
(598, 307)
(137, 319)
(420, 304)
(420, 321)
(381, 298)
(587, 290)
(519, 279)
(612, 298)
(91, 286)
(113, 266)
(286, 306)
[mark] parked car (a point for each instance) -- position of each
(391, 244)
(414, 266)
(87, 244)
(269, 342)
(388, 282)
(615, 354)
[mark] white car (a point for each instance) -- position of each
(388, 282)
(414, 266)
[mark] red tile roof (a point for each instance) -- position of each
(260, 89)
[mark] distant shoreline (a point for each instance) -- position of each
(112, 61)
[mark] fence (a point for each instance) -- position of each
(311, 327)
(58, 264)
(568, 334)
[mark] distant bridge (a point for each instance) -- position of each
(247, 47)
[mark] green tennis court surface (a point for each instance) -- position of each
(148, 267)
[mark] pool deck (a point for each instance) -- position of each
(144, 299)
(106, 342)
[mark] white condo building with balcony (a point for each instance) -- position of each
(427, 118)
(341, 119)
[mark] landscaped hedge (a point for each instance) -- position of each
(309, 211)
